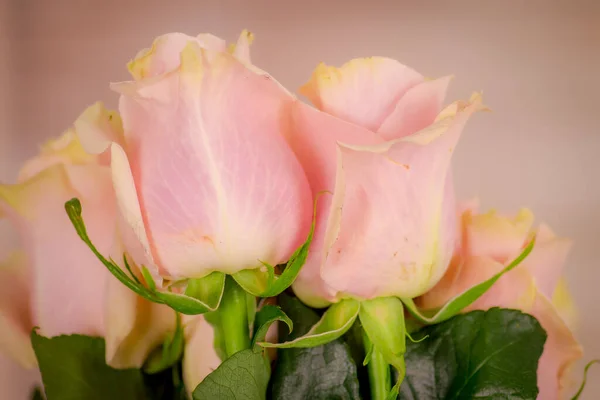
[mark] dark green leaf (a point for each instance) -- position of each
(73, 368)
(243, 376)
(480, 355)
(265, 317)
(317, 373)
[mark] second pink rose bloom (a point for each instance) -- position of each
(381, 145)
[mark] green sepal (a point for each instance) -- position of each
(383, 321)
(334, 323)
(203, 295)
(468, 297)
(73, 209)
(264, 318)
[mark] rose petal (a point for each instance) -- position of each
(314, 141)
(200, 357)
(496, 236)
(17, 383)
(241, 50)
(416, 110)
(164, 55)
(561, 351)
(547, 259)
(15, 317)
(68, 280)
(363, 91)
(97, 128)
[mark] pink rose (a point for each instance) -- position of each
(54, 281)
(382, 145)
(489, 241)
(203, 173)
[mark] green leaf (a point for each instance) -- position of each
(243, 376)
(480, 355)
(262, 282)
(468, 297)
(73, 208)
(334, 323)
(170, 352)
(585, 372)
(73, 368)
(265, 317)
(318, 373)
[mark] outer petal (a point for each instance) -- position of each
(547, 259)
(496, 236)
(363, 91)
(17, 383)
(314, 140)
(416, 110)
(391, 201)
(561, 351)
(220, 188)
(15, 318)
(516, 289)
(134, 326)
(200, 357)
(68, 291)
(564, 304)
(65, 150)
(97, 127)
(241, 51)
(164, 57)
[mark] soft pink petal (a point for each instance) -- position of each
(242, 47)
(134, 326)
(16, 382)
(314, 140)
(219, 187)
(164, 55)
(15, 316)
(395, 233)
(495, 235)
(363, 91)
(561, 351)
(96, 128)
(68, 283)
(547, 260)
(200, 357)
(416, 110)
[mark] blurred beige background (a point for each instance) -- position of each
(538, 63)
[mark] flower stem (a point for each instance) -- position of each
(234, 318)
(379, 372)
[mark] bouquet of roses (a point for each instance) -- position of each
(218, 238)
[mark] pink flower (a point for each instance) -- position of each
(54, 281)
(203, 173)
(490, 241)
(382, 145)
